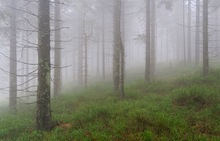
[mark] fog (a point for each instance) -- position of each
(86, 31)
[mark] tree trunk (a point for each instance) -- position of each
(122, 49)
(153, 29)
(197, 50)
(57, 46)
(116, 49)
(122, 74)
(205, 38)
(184, 36)
(80, 50)
(216, 34)
(161, 45)
(44, 114)
(189, 31)
(23, 65)
(98, 58)
(27, 66)
(148, 42)
(86, 60)
(13, 58)
(167, 45)
(103, 44)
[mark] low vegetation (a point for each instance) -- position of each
(184, 108)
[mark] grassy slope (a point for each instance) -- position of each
(186, 108)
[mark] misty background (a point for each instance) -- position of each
(96, 17)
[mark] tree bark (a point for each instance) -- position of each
(80, 51)
(184, 36)
(153, 30)
(57, 46)
(116, 49)
(122, 74)
(98, 56)
(189, 31)
(13, 58)
(27, 66)
(197, 50)
(122, 49)
(205, 39)
(167, 45)
(103, 44)
(148, 42)
(44, 114)
(217, 33)
(86, 60)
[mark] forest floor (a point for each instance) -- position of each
(181, 107)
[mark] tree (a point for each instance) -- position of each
(13, 58)
(217, 32)
(148, 42)
(197, 50)
(57, 46)
(103, 43)
(80, 49)
(43, 113)
(153, 30)
(205, 39)
(189, 31)
(85, 35)
(98, 54)
(118, 51)
(122, 49)
(184, 43)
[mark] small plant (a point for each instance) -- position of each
(183, 109)
(196, 96)
(148, 136)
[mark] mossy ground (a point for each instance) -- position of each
(180, 108)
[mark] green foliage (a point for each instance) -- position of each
(185, 108)
(197, 96)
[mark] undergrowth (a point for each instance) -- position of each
(184, 108)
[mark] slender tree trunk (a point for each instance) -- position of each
(216, 34)
(103, 44)
(167, 45)
(85, 57)
(122, 49)
(57, 57)
(98, 58)
(80, 50)
(43, 113)
(197, 50)
(23, 65)
(184, 36)
(66, 70)
(178, 33)
(81, 46)
(189, 31)
(148, 42)
(81, 72)
(153, 30)
(86, 60)
(35, 60)
(27, 66)
(205, 39)
(161, 45)
(74, 66)
(122, 74)
(13, 58)
(116, 49)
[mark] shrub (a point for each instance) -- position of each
(196, 96)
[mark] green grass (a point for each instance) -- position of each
(178, 109)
